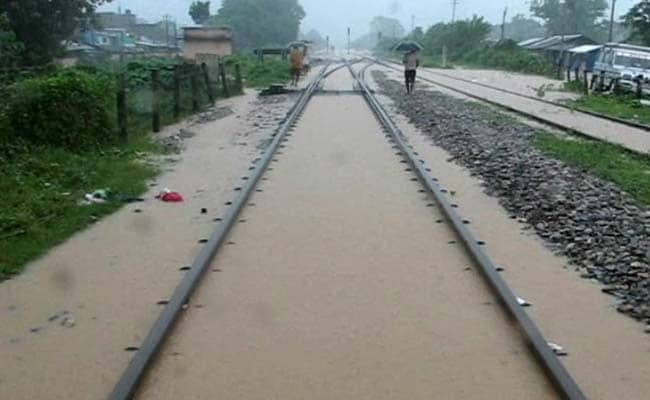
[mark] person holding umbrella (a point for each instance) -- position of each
(411, 63)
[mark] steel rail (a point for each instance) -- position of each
(525, 114)
(549, 362)
(137, 368)
(549, 102)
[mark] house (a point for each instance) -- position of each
(554, 47)
(108, 20)
(109, 40)
(206, 41)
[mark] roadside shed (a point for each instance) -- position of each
(206, 41)
(587, 54)
(554, 47)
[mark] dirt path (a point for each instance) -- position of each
(529, 85)
(67, 320)
(338, 284)
(632, 138)
(608, 353)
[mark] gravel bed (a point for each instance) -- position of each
(602, 231)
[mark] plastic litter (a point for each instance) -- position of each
(557, 349)
(523, 302)
(99, 196)
(170, 197)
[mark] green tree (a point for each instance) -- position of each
(200, 12)
(569, 16)
(387, 27)
(42, 25)
(519, 28)
(10, 48)
(638, 20)
(257, 23)
(459, 37)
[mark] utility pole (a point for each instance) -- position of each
(503, 24)
(412, 22)
(454, 3)
(327, 49)
(349, 33)
(611, 22)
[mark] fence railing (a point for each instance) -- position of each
(187, 88)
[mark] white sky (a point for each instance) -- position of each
(332, 17)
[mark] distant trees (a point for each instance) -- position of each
(11, 50)
(258, 23)
(569, 16)
(459, 37)
(387, 27)
(519, 28)
(314, 37)
(41, 26)
(638, 19)
(200, 12)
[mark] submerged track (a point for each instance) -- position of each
(341, 214)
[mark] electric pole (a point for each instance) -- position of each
(611, 22)
(327, 49)
(454, 3)
(349, 33)
(503, 24)
(412, 22)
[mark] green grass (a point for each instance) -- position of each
(624, 107)
(262, 74)
(629, 171)
(42, 188)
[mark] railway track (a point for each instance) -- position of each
(604, 128)
(332, 187)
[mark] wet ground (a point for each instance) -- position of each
(338, 283)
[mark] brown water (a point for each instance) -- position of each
(338, 284)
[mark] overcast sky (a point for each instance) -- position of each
(332, 17)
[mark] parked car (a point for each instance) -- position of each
(626, 63)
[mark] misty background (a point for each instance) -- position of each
(333, 17)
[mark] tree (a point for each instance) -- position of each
(638, 19)
(10, 48)
(459, 37)
(569, 16)
(387, 27)
(42, 25)
(519, 28)
(200, 12)
(257, 23)
(315, 38)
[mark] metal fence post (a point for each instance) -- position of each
(208, 84)
(195, 90)
(238, 78)
(155, 100)
(121, 108)
(177, 92)
(222, 73)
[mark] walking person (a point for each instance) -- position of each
(296, 59)
(411, 63)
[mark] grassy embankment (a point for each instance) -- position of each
(629, 171)
(626, 107)
(613, 163)
(44, 180)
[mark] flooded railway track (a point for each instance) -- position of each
(590, 124)
(334, 275)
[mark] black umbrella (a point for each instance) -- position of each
(408, 46)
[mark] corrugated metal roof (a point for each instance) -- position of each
(553, 41)
(528, 42)
(586, 48)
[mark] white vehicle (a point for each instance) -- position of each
(624, 62)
